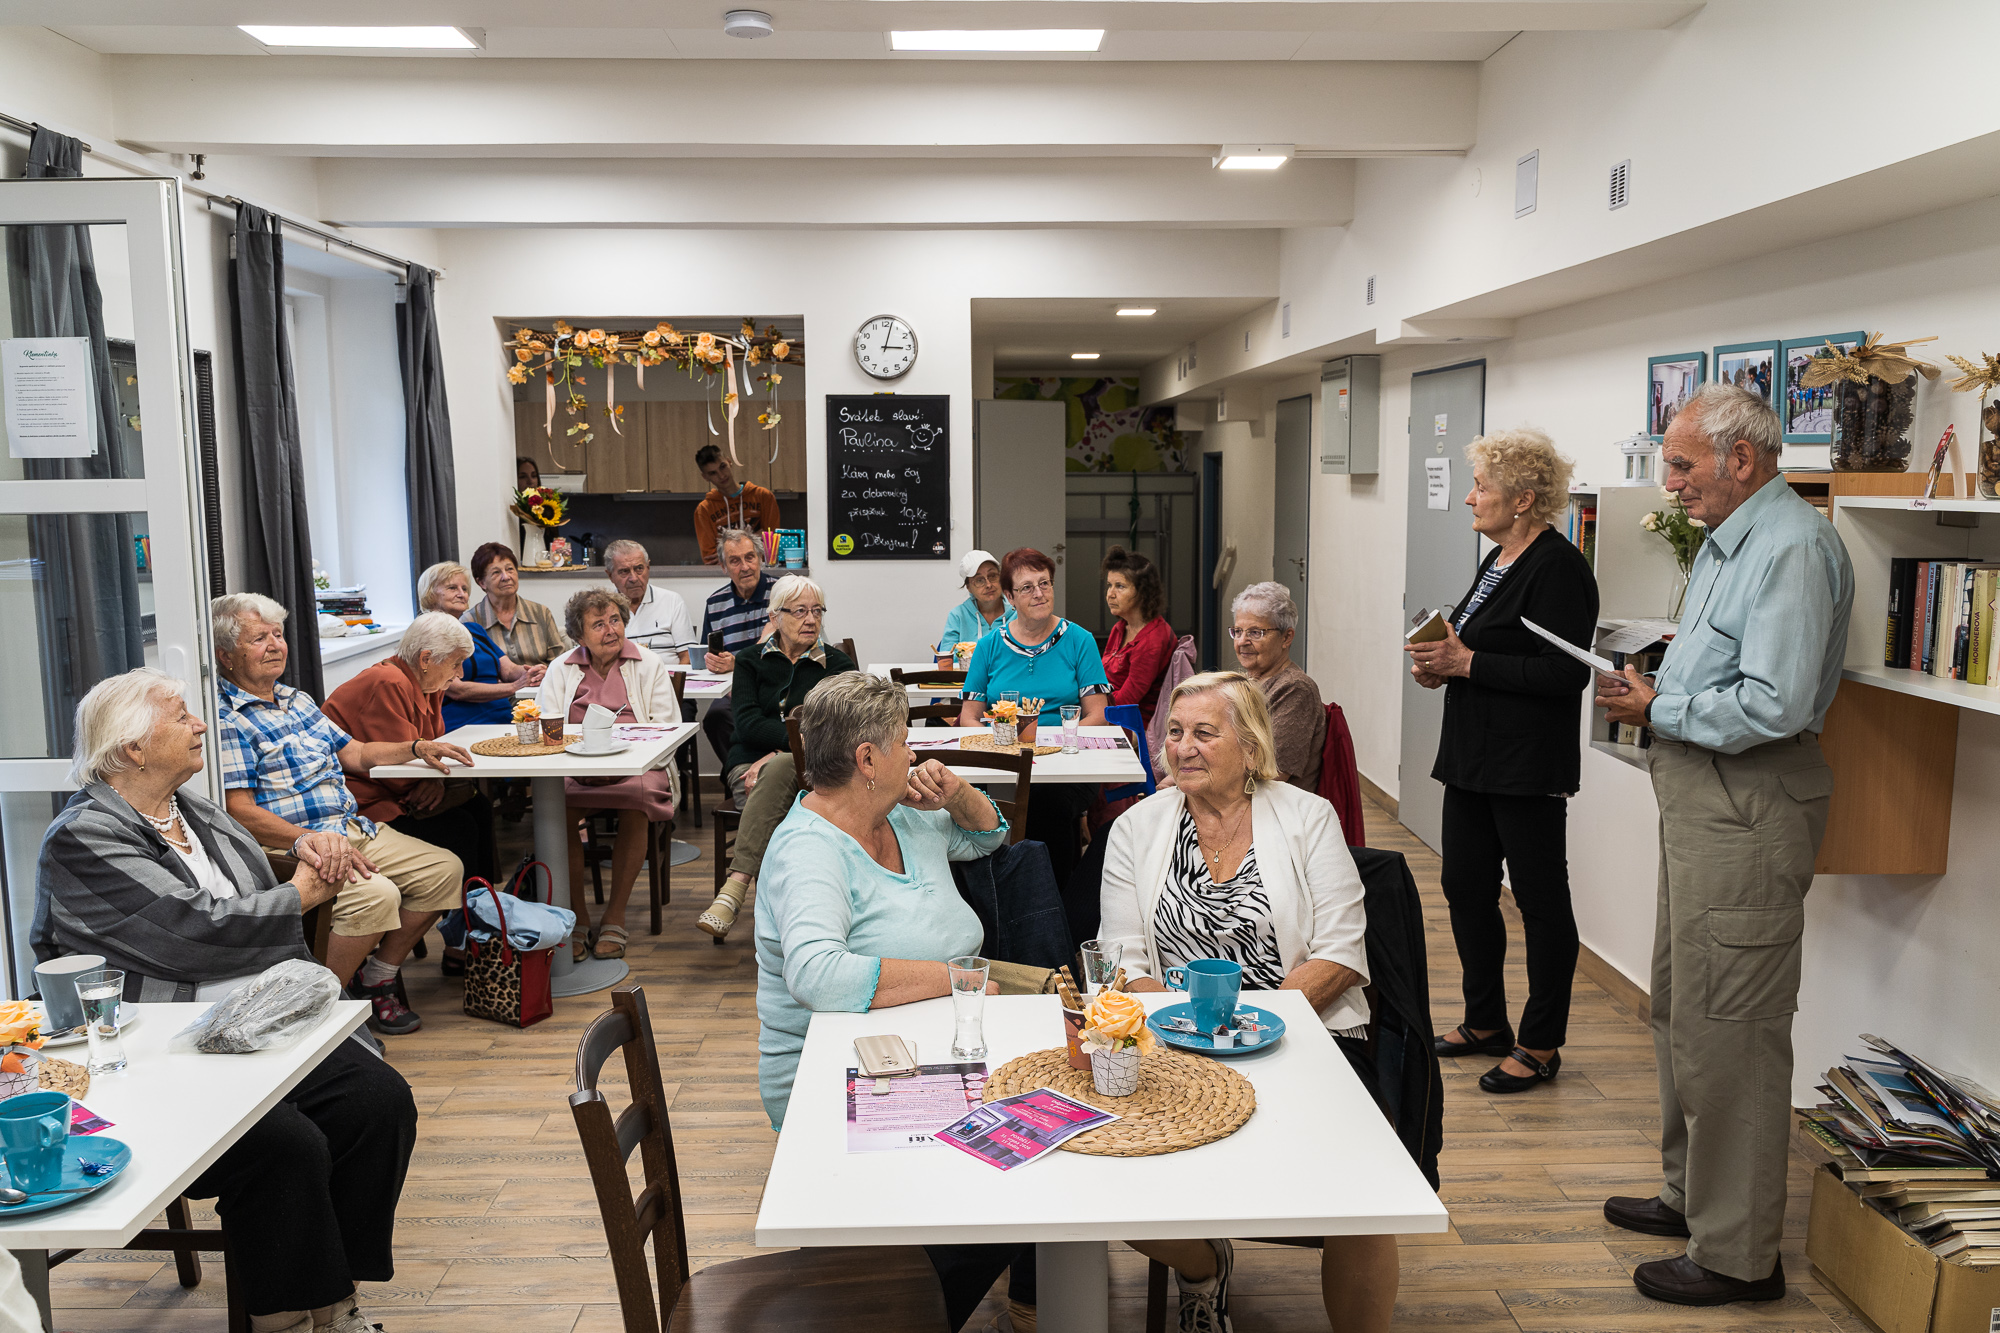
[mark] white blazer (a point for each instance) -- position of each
(649, 687)
(1317, 907)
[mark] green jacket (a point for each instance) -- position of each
(767, 686)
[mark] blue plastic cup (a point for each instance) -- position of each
(1212, 985)
(34, 1129)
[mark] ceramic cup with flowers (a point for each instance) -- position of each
(21, 1039)
(527, 722)
(1117, 1038)
(1005, 719)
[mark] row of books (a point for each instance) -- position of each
(1580, 526)
(1922, 1146)
(1941, 618)
(349, 604)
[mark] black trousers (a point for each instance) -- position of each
(1482, 830)
(1053, 814)
(308, 1196)
(968, 1272)
(719, 725)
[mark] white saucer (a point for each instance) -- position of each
(128, 1014)
(617, 747)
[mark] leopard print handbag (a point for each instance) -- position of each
(503, 983)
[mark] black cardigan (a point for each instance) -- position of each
(1511, 728)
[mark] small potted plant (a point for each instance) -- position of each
(21, 1039)
(1117, 1038)
(527, 722)
(1005, 719)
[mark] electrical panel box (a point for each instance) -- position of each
(1351, 415)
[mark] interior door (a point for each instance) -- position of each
(100, 567)
(1291, 516)
(1447, 409)
(1018, 490)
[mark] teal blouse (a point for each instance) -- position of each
(1059, 670)
(966, 625)
(827, 915)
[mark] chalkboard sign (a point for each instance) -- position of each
(889, 465)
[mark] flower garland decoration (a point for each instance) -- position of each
(561, 354)
(1113, 1021)
(541, 506)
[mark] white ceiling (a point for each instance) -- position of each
(1039, 334)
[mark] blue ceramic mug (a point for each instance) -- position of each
(1211, 985)
(34, 1128)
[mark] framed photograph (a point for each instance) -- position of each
(1670, 382)
(1752, 366)
(1807, 414)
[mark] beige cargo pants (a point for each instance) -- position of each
(1738, 834)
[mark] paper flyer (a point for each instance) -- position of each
(1016, 1130)
(914, 1109)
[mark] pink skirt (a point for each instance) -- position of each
(652, 794)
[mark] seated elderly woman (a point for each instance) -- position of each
(1265, 620)
(1231, 862)
(526, 629)
(857, 909)
(484, 691)
(168, 888)
(609, 669)
(284, 767)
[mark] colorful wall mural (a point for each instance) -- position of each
(1107, 431)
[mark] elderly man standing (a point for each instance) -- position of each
(282, 765)
(660, 618)
(1736, 710)
(740, 612)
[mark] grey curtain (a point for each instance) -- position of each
(427, 461)
(277, 547)
(87, 608)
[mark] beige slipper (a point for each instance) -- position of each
(579, 946)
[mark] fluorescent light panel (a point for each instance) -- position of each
(1253, 156)
(412, 39)
(1083, 356)
(998, 39)
(1134, 311)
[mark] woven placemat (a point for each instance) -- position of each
(1183, 1101)
(984, 741)
(63, 1076)
(503, 747)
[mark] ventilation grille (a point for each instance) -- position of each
(1285, 320)
(1371, 289)
(1621, 181)
(1527, 183)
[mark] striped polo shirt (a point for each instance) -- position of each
(739, 619)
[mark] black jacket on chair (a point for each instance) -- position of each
(1408, 1084)
(1014, 893)
(1511, 728)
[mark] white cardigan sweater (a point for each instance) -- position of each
(1316, 898)
(649, 688)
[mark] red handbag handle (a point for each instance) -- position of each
(506, 947)
(527, 875)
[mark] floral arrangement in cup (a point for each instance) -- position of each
(21, 1037)
(1116, 1021)
(1005, 712)
(1685, 535)
(527, 721)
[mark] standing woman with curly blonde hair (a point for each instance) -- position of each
(1508, 753)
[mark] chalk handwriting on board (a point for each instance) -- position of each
(891, 458)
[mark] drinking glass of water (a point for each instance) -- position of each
(1100, 964)
(100, 993)
(1070, 714)
(968, 1007)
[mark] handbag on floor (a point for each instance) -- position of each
(503, 983)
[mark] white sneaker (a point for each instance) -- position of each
(1205, 1305)
(351, 1322)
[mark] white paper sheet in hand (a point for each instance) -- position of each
(1582, 655)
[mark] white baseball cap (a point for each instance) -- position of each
(969, 563)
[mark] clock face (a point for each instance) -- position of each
(885, 347)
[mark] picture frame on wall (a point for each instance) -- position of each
(1752, 366)
(1806, 414)
(1670, 381)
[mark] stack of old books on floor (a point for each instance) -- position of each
(1917, 1144)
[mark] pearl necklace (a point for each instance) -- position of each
(165, 827)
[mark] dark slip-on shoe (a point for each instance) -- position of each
(1500, 1043)
(1682, 1281)
(1497, 1080)
(1647, 1216)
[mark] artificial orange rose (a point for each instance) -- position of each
(704, 341)
(523, 354)
(20, 1024)
(1114, 1019)
(779, 351)
(651, 337)
(517, 374)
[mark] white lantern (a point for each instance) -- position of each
(1642, 456)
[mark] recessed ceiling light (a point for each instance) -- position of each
(747, 23)
(998, 39)
(1252, 156)
(1083, 356)
(1139, 310)
(432, 39)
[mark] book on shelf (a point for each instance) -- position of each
(1940, 618)
(1580, 526)
(1637, 735)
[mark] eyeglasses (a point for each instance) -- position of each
(1247, 635)
(1034, 589)
(803, 612)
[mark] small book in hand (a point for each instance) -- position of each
(1427, 627)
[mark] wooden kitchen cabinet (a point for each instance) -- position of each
(675, 431)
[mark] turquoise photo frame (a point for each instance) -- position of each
(1755, 363)
(1670, 381)
(1807, 414)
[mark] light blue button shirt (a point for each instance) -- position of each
(827, 915)
(1758, 654)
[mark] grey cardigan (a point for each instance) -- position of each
(108, 884)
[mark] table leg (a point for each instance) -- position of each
(553, 834)
(35, 1277)
(1072, 1287)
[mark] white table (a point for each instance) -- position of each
(178, 1112)
(1316, 1159)
(553, 830)
(916, 692)
(698, 686)
(1116, 766)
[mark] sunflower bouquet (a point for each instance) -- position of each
(541, 506)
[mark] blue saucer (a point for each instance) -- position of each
(1202, 1044)
(100, 1148)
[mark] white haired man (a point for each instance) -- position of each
(660, 619)
(283, 763)
(1736, 711)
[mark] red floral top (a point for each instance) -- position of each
(1135, 668)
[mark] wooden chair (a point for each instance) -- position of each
(1022, 766)
(318, 923)
(847, 646)
(832, 1290)
(923, 678)
(947, 713)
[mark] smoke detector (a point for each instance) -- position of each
(747, 23)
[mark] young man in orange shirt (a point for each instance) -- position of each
(748, 506)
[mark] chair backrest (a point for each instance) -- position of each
(1022, 766)
(940, 677)
(607, 1143)
(316, 921)
(1340, 779)
(946, 713)
(1185, 662)
(797, 739)
(847, 646)
(1129, 717)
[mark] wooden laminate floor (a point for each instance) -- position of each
(498, 1227)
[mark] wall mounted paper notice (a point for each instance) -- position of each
(46, 382)
(1437, 482)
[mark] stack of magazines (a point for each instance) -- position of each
(1920, 1144)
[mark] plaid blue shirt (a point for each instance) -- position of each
(288, 754)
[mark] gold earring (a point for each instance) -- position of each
(871, 784)
(1249, 784)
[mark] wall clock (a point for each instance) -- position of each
(885, 347)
